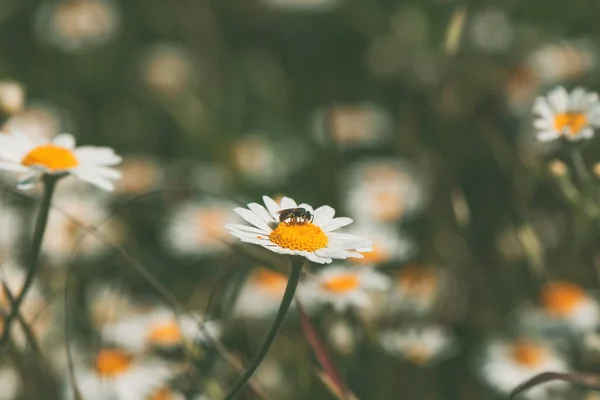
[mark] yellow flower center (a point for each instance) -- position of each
(271, 281)
(571, 122)
(560, 298)
(210, 222)
(341, 283)
(377, 256)
(110, 363)
(55, 158)
(418, 354)
(388, 205)
(165, 334)
(162, 394)
(528, 354)
(302, 237)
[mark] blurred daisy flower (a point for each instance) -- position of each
(383, 190)
(264, 161)
(77, 25)
(303, 5)
(197, 228)
(38, 122)
(420, 345)
(10, 383)
(353, 126)
(168, 70)
(119, 375)
(571, 115)
(70, 222)
(107, 303)
(344, 288)
(389, 245)
(261, 294)
(140, 174)
(12, 97)
(562, 304)
(159, 328)
(418, 289)
(313, 237)
(506, 364)
(166, 393)
(60, 156)
(491, 30)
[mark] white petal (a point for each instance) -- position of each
(336, 223)
(546, 136)
(65, 140)
(272, 206)
(287, 202)
(306, 207)
(97, 155)
(28, 181)
(542, 108)
(542, 123)
(12, 166)
(261, 212)
(575, 99)
(319, 260)
(559, 99)
(245, 228)
(96, 180)
(253, 218)
(104, 172)
(323, 215)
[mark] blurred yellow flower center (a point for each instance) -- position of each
(302, 237)
(528, 354)
(378, 255)
(417, 280)
(418, 354)
(271, 281)
(110, 363)
(560, 298)
(55, 158)
(388, 205)
(210, 222)
(341, 283)
(162, 394)
(165, 334)
(572, 122)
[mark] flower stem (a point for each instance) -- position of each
(36, 245)
(286, 301)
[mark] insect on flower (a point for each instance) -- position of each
(297, 215)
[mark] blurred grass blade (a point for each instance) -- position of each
(455, 30)
(332, 377)
(587, 380)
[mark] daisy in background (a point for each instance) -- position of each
(197, 228)
(418, 289)
(344, 288)
(108, 302)
(261, 294)
(71, 218)
(117, 374)
(158, 328)
(37, 121)
(389, 245)
(140, 174)
(505, 364)
(561, 305)
(311, 236)
(422, 346)
(573, 116)
(352, 126)
(58, 157)
(383, 190)
(166, 393)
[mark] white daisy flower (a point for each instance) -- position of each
(88, 163)
(344, 288)
(352, 126)
(108, 302)
(383, 190)
(506, 364)
(38, 121)
(389, 245)
(418, 289)
(141, 174)
(158, 329)
(573, 116)
(312, 237)
(116, 374)
(168, 70)
(419, 345)
(198, 228)
(261, 294)
(562, 305)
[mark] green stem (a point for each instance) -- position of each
(286, 301)
(38, 236)
(580, 168)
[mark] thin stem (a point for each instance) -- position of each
(580, 168)
(286, 301)
(36, 245)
